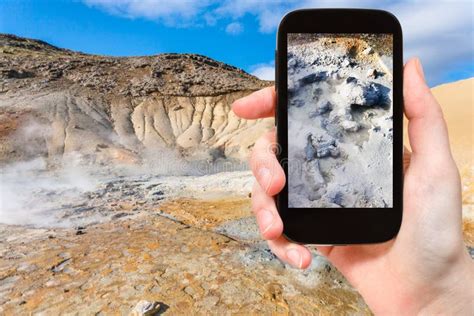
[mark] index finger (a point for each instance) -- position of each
(259, 104)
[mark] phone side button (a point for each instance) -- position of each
(276, 68)
(276, 87)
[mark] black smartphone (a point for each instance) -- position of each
(339, 125)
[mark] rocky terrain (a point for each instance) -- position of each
(340, 120)
(187, 244)
(106, 208)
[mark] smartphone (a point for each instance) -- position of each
(339, 125)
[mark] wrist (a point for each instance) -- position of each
(454, 293)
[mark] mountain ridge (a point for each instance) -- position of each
(189, 74)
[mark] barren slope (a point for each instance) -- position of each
(57, 103)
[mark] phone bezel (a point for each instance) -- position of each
(337, 226)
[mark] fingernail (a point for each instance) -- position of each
(264, 174)
(265, 220)
(295, 258)
(419, 68)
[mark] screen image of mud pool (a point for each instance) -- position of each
(340, 123)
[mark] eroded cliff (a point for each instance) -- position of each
(57, 103)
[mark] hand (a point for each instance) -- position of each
(426, 268)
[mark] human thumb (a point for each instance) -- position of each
(426, 126)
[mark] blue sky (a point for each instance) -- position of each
(239, 32)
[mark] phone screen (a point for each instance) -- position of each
(340, 120)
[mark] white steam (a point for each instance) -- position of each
(30, 194)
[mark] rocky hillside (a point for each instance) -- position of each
(58, 103)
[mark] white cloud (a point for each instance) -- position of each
(234, 28)
(264, 71)
(267, 12)
(439, 32)
(177, 13)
